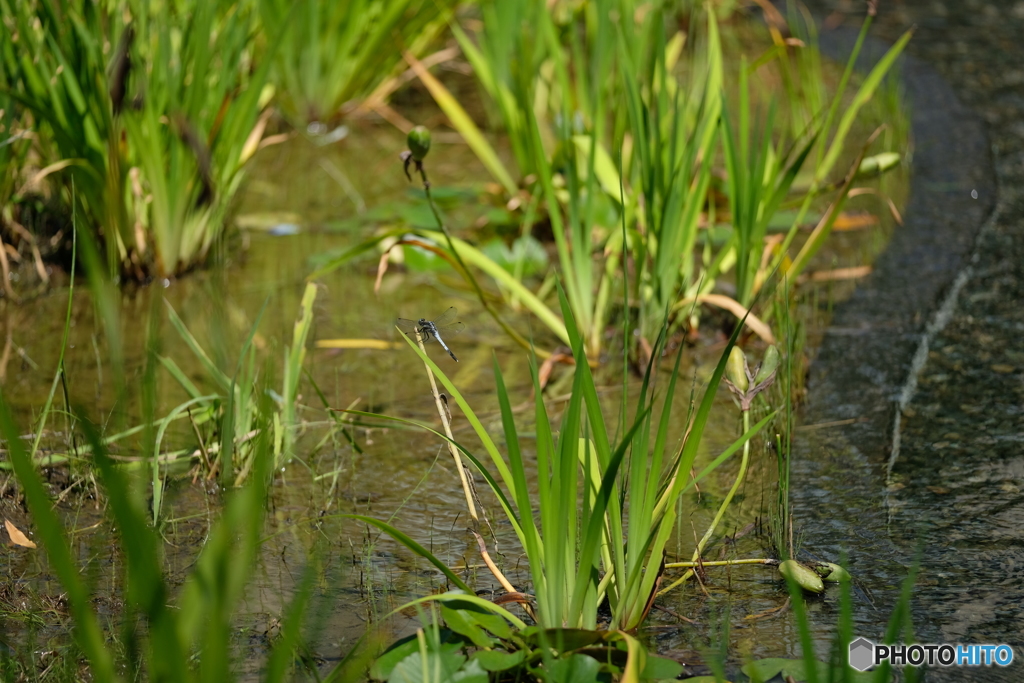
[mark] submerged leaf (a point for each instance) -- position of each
(526, 253)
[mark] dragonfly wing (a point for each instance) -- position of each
(446, 317)
(406, 325)
(451, 330)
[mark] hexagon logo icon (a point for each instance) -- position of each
(862, 654)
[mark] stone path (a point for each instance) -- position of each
(956, 485)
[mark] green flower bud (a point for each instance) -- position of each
(419, 142)
(736, 369)
(768, 366)
(877, 164)
(804, 577)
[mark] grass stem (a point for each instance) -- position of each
(695, 562)
(732, 492)
(442, 412)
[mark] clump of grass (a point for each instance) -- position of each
(333, 56)
(14, 149)
(582, 547)
(593, 139)
(233, 405)
(190, 640)
(155, 144)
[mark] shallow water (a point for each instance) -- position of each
(400, 476)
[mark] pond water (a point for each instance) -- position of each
(400, 476)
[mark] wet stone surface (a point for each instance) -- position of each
(957, 485)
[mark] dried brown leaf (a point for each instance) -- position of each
(18, 538)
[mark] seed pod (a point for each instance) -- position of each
(804, 577)
(768, 366)
(836, 574)
(877, 164)
(419, 142)
(736, 369)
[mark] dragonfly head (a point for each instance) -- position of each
(422, 321)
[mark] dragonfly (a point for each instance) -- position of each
(430, 330)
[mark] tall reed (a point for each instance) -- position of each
(674, 132)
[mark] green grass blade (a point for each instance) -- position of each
(147, 589)
(515, 460)
(51, 532)
(414, 547)
(864, 93)
(491, 481)
(464, 124)
(586, 574)
(222, 380)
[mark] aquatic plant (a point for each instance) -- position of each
(334, 55)
(192, 639)
(190, 141)
(155, 144)
(604, 129)
(832, 144)
(234, 403)
(14, 149)
(482, 639)
(674, 133)
(52, 65)
(463, 637)
(583, 547)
